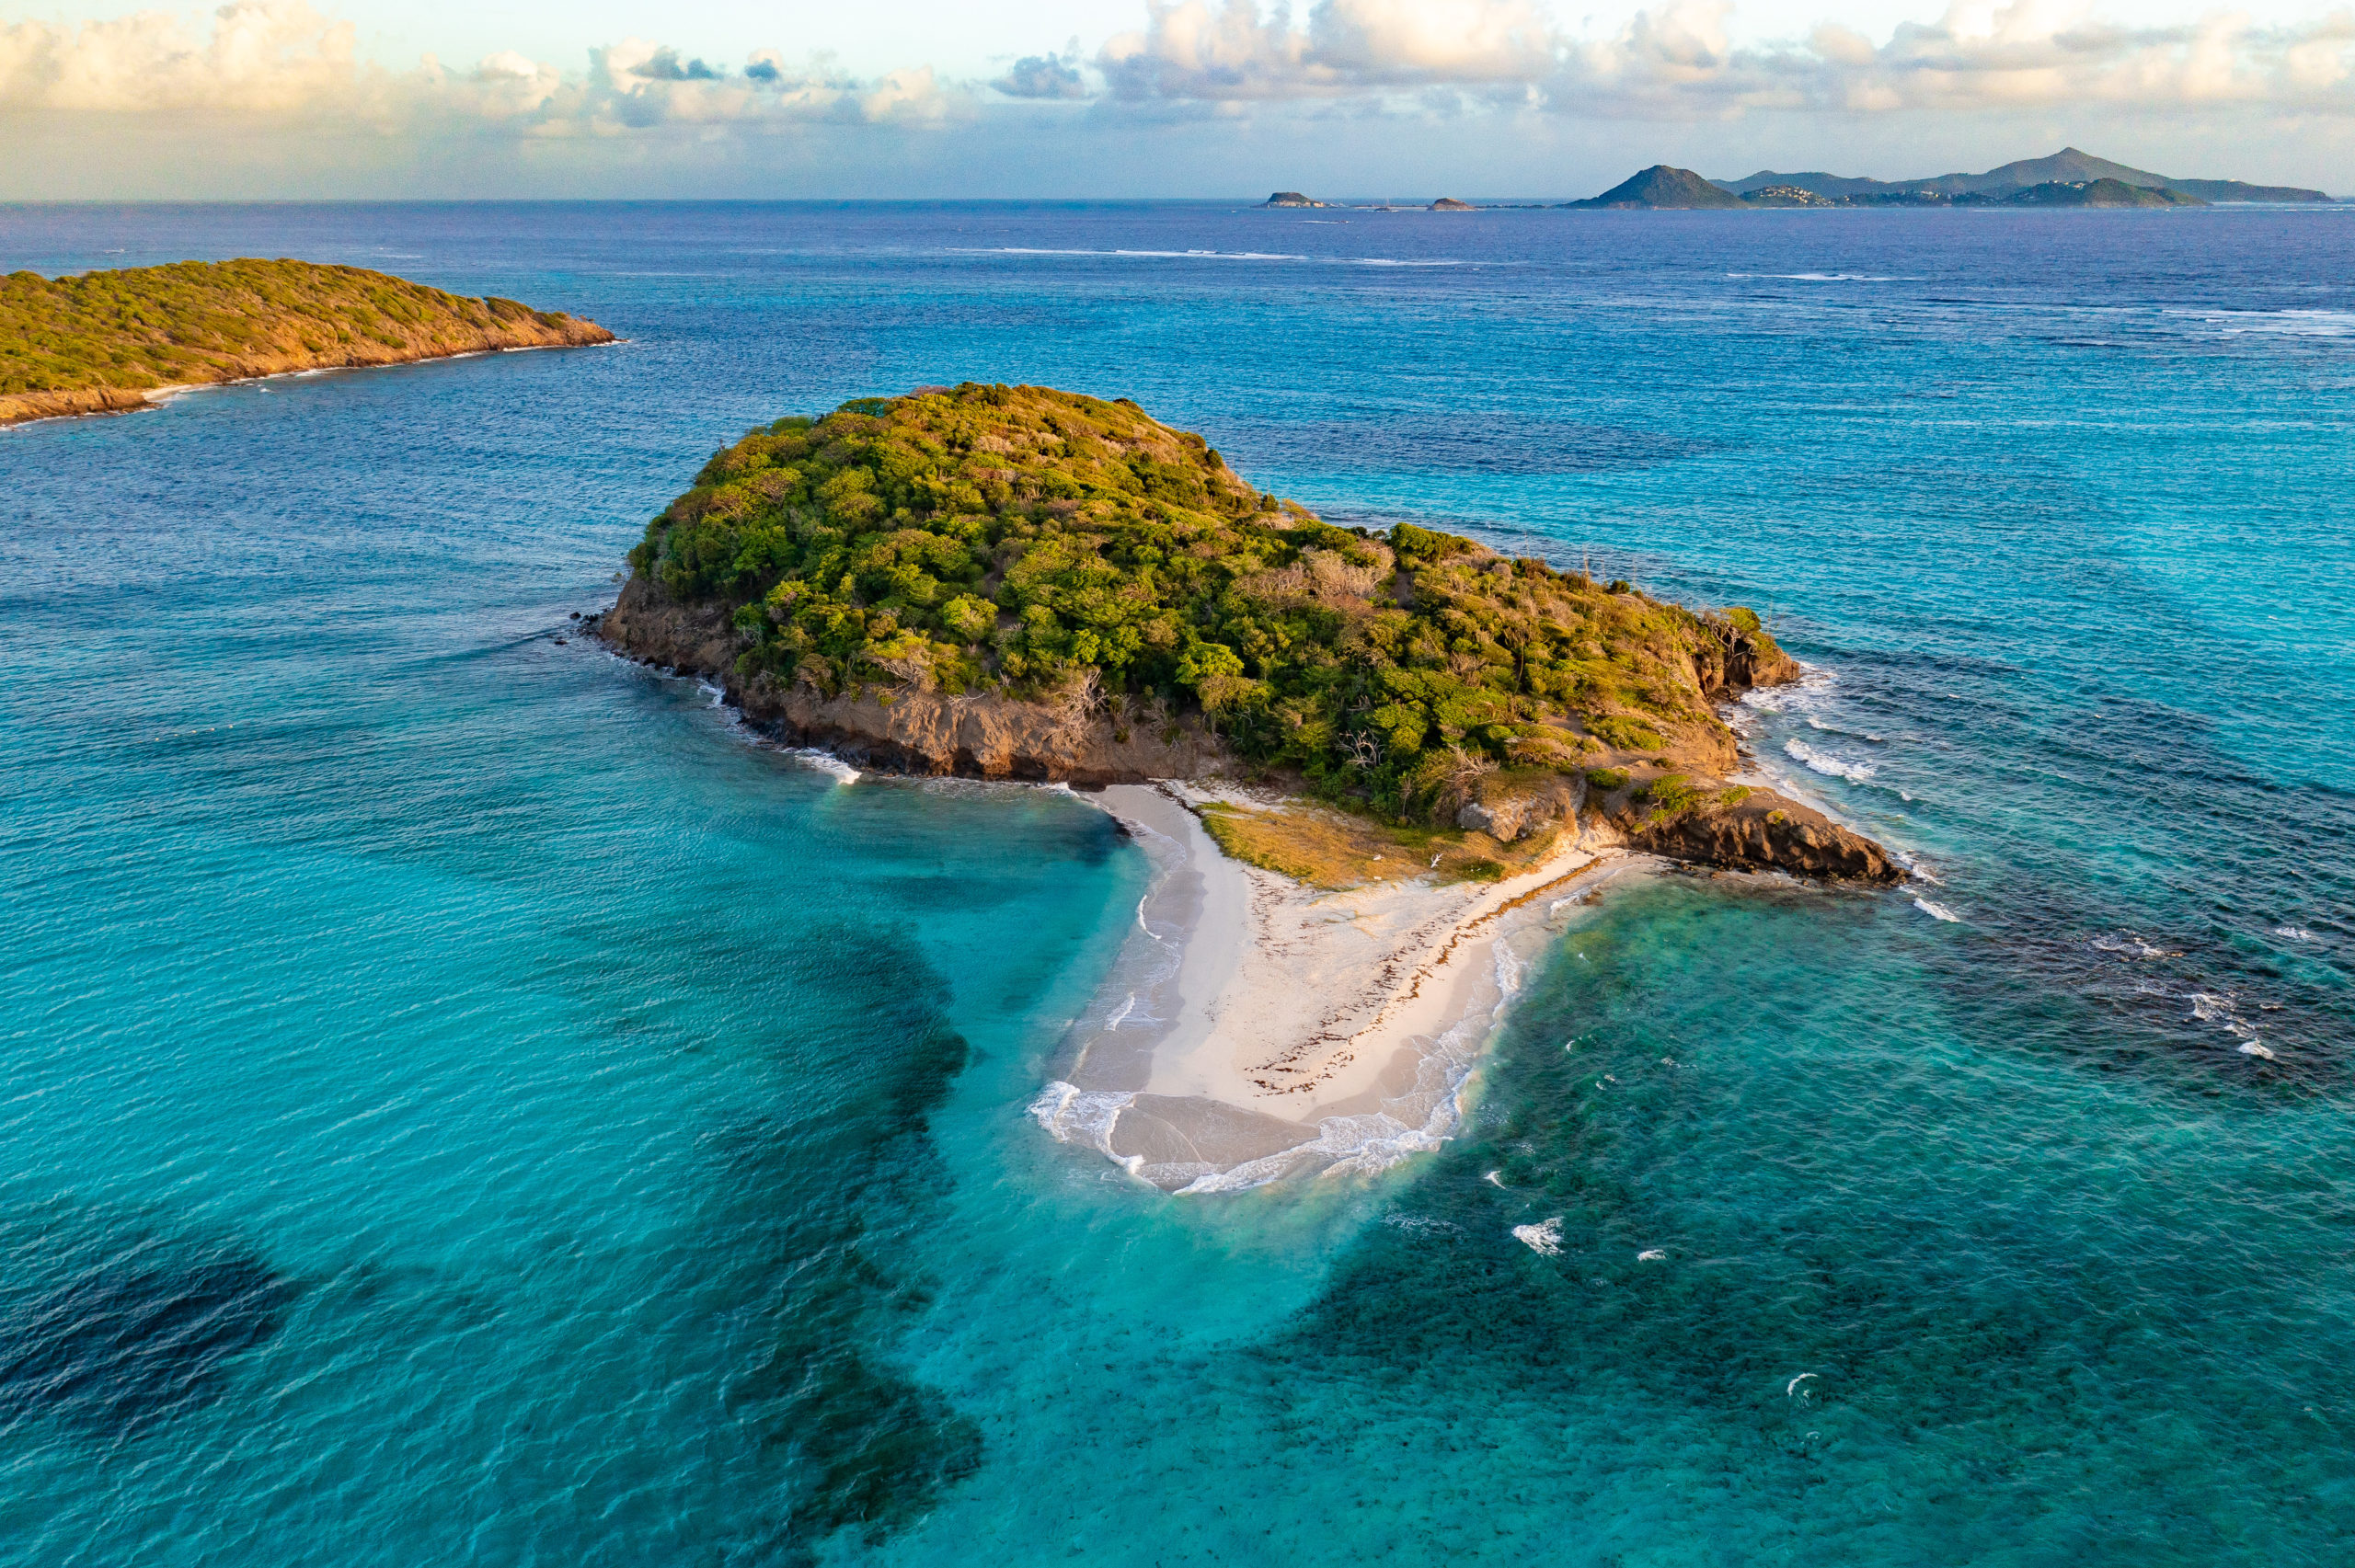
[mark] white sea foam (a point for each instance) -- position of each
(2211, 1008)
(2294, 933)
(1936, 911)
(808, 756)
(1084, 1117)
(2272, 323)
(1544, 1237)
(1854, 772)
(825, 763)
(1420, 1223)
(1810, 690)
(1141, 255)
(1215, 255)
(1652, 1255)
(2133, 946)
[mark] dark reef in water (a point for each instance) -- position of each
(868, 1447)
(109, 1330)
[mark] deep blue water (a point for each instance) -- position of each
(464, 1105)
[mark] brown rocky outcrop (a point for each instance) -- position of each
(1506, 808)
(980, 735)
(1766, 832)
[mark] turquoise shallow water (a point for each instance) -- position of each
(465, 1104)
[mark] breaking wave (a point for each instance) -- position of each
(1814, 760)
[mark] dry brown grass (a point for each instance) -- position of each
(1333, 849)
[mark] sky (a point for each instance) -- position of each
(1063, 99)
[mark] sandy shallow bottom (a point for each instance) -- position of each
(1252, 1029)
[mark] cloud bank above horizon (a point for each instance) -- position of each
(282, 90)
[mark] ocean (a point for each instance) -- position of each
(465, 1102)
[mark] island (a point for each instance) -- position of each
(1363, 763)
(2070, 168)
(109, 342)
(1663, 189)
(2067, 179)
(1450, 204)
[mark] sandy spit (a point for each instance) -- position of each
(1254, 1028)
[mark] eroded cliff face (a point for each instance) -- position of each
(1766, 831)
(993, 736)
(1762, 831)
(933, 733)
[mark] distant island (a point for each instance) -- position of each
(2068, 169)
(2067, 179)
(103, 342)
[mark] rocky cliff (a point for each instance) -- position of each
(984, 736)
(990, 736)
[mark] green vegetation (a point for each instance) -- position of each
(1066, 549)
(1671, 795)
(99, 340)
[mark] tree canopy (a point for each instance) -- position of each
(1038, 543)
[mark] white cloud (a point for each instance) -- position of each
(1190, 50)
(281, 61)
(1046, 76)
(1679, 59)
(267, 57)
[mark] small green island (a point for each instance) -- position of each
(108, 341)
(1015, 582)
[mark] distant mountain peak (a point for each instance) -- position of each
(1663, 186)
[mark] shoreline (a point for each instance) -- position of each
(1253, 1028)
(113, 401)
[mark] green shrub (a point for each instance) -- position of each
(1626, 734)
(1671, 795)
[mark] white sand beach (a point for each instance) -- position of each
(1253, 1028)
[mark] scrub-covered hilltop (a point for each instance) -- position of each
(103, 341)
(1014, 582)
